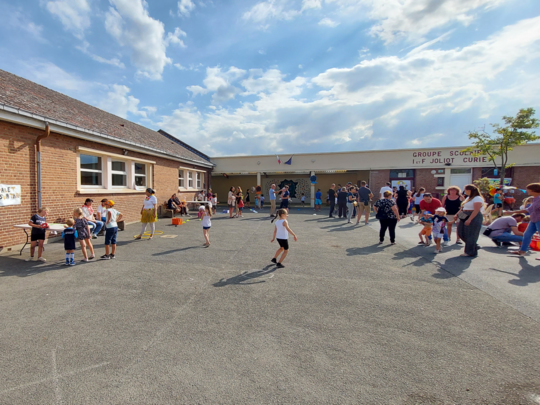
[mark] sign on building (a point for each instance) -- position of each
(10, 195)
(404, 183)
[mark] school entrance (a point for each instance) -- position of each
(460, 177)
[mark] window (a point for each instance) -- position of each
(401, 174)
(199, 179)
(109, 171)
(460, 171)
(489, 172)
(181, 182)
(140, 175)
(91, 171)
(440, 181)
(190, 179)
(118, 174)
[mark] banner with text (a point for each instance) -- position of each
(10, 195)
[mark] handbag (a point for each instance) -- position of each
(487, 232)
(463, 216)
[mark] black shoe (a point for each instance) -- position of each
(508, 244)
(497, 243)
(280, 266)
(105, 257)
(111, 256)
(274, 260)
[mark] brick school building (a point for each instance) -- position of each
(76, 151)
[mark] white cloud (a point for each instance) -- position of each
(131, 25)
(185, 7)
(50, 75)
(16, 19)
(118, 102)
(268, 10)
(327, 22)
(73, 14)
(376, 97)
(219, 83)
(174, 38)
(311, 4)
(114, 61)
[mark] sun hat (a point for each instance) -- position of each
(201, 208)
(440, 209)
(110, 202)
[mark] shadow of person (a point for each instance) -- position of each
(246, 278)
(363, 251)
(168, 252)
(527, 275)
(410, 254)
(454, 266)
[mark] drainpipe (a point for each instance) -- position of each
(38, 151)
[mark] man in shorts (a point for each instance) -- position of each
(365, 195)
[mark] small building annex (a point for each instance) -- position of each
(80, 152)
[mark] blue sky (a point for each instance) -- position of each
(275, 76)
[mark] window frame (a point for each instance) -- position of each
(181, 179)
(80, 170)
(107, 172)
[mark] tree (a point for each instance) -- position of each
(484, 186)
(496, 146)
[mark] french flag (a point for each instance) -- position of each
(278, 160)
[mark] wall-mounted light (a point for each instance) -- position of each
(125, 152)
(259, 162)
(312, 160)
(433, 171)
(448, 164)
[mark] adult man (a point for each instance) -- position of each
(272, 193)
(388, 187)
(285, 195)
(364, 195)
(332, 198)
(172, 205)
(88, 212)
(505, 230)
(342, 202)
(431, 204)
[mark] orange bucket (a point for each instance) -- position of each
(177, 221)
(535, 243)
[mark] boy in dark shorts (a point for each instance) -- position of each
(38, 222)
(70, 236)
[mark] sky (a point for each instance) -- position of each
(285, 76)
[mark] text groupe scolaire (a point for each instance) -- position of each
(453, 156)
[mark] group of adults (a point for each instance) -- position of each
(463, 208)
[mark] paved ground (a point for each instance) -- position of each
(346, 322)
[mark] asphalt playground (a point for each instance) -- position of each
(347, 321)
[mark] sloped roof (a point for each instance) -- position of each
(31, 97)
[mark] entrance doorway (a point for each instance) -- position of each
(460, 177)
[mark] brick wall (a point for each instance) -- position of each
(377, 179)
(59, 179)
(424, 178)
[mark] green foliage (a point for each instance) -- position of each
(484, 187)
(516, 131)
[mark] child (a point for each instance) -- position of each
(111, 230)
(70, 236)
(214, 203)
(206, 224)
(262, 201)
(439, 222)
(498, 202)
(83, 234)
(240, 207)
(281, 233)
(426, 220)
(38, 222)
(318, 202)
(522, 226)
(303, 199)
(200, 213)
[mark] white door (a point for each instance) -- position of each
(460, 180)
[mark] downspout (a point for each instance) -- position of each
(38, 152)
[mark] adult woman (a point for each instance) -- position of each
(452, 203)
(231, 201)
(402, 201)
(352, 199)
(148, 213)
(418, 196)
(470, 220)
(239, 196)
(388, 215)
(533, 210)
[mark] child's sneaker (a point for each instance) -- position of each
(72, 263)
(111, 256)
(29, 259)
(41, 259)
(66, 263)
(105, 257)
(280, 266)
(274, 260)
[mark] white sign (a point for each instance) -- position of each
(404, 183)
(10, 195)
